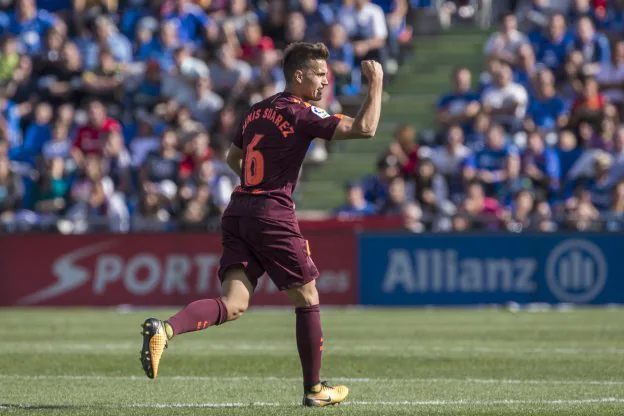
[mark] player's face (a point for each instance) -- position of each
(313, 80)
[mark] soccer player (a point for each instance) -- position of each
(259, 226)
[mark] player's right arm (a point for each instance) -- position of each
(365, 123)
(234, 158)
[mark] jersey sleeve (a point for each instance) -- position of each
(315, 122)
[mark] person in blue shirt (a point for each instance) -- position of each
(541, 165)
(553, 47)
(341, 61)
(488, 164)
(546, 110)
(599, 186)
(376, 186)
(594, 46)
(461, 105)
(37, 134)
(10, 118)
(193, 24)
(527, 68)
(29, 24)
(317, 18)
(356, 205)
(162, 47)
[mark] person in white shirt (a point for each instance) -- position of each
(505, 44)
(366, 26)
(449, 161)
(506, 101)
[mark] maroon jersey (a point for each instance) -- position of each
(275, 136)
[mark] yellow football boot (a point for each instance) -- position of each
(154, 343)
(323, 395)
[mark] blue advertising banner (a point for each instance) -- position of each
(455, 269)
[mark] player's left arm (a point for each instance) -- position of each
(234, 158)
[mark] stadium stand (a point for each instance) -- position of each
(116, 116)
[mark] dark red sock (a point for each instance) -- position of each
(199, 315)
(310, 343)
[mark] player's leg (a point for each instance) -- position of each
(310, 346)
(196, 316)
(239, 273)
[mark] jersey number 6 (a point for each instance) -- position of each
(254, 163)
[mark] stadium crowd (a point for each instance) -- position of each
(115, 115)
(537, 145)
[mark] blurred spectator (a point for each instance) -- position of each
(580, 213)
(342, 60)
(617, 169)
(553, 47)
(460, 106)
(521, 213)
(412, 215)
(91, 138)
(610, 77)
(526, 68)
(505, 101)
(179, 82)
(11, 191)
(28, 23)
(568, 153)
(405, 149)
(485, 213)
(229, 75)
(117, 163)
(397, 197)
(161, 48)
(540, 165)
(615, 216)
(594, 46)
(159, 171)
(598, 185)
(295, 28)
(93, 197)
(449, 161)
(207, 103)
(589, 107)
(488, 164)
(59, 145)
(533, 15)
(356, 205)
(505, 44)
(254, 44)
(376, 186)
(546, 111)
(52, 189)
(193, 25)
(365, 24)
(431, 192)
(317, 19)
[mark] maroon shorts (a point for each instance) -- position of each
(262, 245)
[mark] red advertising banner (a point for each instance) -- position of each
(149, 269)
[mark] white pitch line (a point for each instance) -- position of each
(342, 379)
(60, 348)
(411, 403)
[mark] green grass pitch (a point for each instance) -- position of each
(395, 361)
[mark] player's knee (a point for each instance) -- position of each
(304, 296)
(235, 308)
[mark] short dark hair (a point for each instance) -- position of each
(297, 56)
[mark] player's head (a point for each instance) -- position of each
(305, 69)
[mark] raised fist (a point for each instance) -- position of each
(372, 70)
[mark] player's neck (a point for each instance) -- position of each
(292, 91)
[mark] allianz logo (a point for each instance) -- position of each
(444, 271)
(575, 271)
